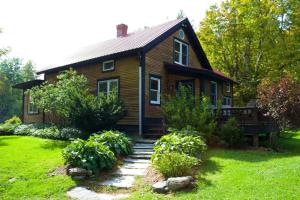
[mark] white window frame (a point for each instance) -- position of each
(180, 52)
(157, 102)
(229, 99)
(32, 109)
(108, 61)
(108, 81)
(228, 87)
(216, 95)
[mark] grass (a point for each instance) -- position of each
(227, 174)
(28, 160)
(240, 174)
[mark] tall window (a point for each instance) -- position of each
(154, 90)
(32, 108)
(108, 65)
(181, 52)
(226, 102)
(228, 87)
(213, 93)
(108, 86)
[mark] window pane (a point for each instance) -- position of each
(113, 86)
(184, 60)
(108, 65)
(102, 87)
(153, 95)
(176, 56)
(184, 49)
(176, 46)
(154, 84)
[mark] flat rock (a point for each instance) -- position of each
(178, 183)
(77, 171)
(121, 182)
(143, 150)
(140, 156)
(135, 165)
(82, 193)
(142, 153)
(160, 187)
(136, 161)
(131, 172)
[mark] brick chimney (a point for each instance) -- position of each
(122, 30)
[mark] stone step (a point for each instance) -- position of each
(143, 150)
(129, 160)
(119, 181)
(140, 156)
(142, 153)
(136, 165)
(143, 146)
(144, 141)
(132, 172)
(83, 193)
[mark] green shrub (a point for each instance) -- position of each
(184, 109)
(89, 155)
(230, 133)
(175, 164)
(191, 145)
(70, 133)
(116, 141)
(9, 125)
(49, 133)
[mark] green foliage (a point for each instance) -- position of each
(175, 164)
(185, 109)
(191, 145)
(280, 100)
(116, 141)
(230, 133)
(251, 41)
(47, 131)
(89, 155)
(95, 113)
(71, 101)
(9, 125)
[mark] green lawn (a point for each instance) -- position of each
(228, 174)
(28, 159)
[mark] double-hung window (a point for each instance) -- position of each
(213, 93)
(154, 90)
(181, 52)
(108, 86)
(32, 108)
(108, 65)
(226, 102)
(228, 87)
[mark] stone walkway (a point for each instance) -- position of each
(133, 166)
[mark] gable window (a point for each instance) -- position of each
(108, 86)
(154, 90)
(32, 108)
(226, 102)
(108, 65)
(213, 93)
(181, 52)
(228, 87)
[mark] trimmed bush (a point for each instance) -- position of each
(175, 164)
(230, 133)
(24, 129)
(177, 142)
(70, 133)
(116, 141)
(9, 125)
(49, 133)
(89, 155)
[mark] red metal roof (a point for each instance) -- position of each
(132, 41)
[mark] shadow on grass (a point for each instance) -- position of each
(54, 144)
(4, 138)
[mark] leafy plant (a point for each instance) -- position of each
(70, 133)
(230, 133)
(116, 141)
(191, 145)
(9, 125)
(89, 155)
(25, 129)
(175, 164)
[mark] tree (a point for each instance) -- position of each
(180, 14)
(70, 100)
(281, 101)
(28, 71)
(252, 41)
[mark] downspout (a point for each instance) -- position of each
(23, 99)
(141, 91)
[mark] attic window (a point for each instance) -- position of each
(108, 65)
(181, 34)
(181, 52)
(228, 86)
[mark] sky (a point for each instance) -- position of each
(46, 31)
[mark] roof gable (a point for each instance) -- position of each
(140, 41)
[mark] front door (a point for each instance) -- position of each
(186, 83)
